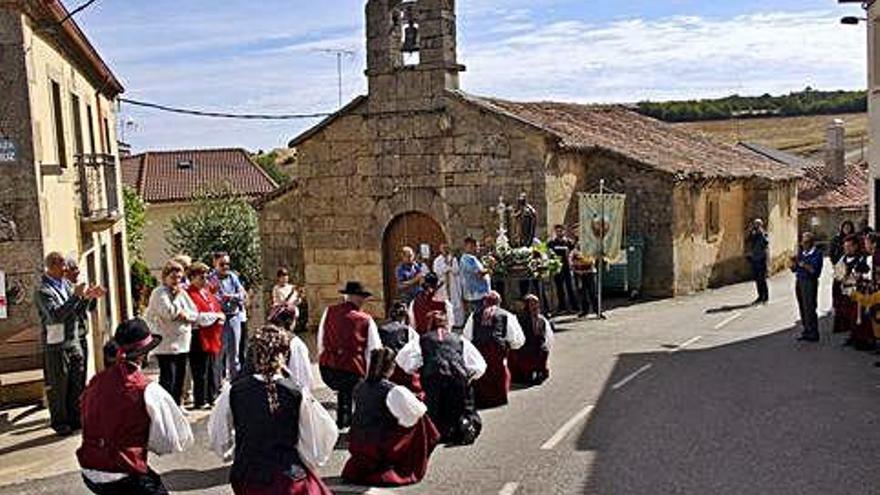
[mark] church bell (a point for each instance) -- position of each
(410, 38)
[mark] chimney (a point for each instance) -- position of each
(835, 152)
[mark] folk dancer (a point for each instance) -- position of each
(60, 305)
(124, 416)
(391, 438)
(346, 337)
(494, 332)
(395, 334)
(448, 365)
(275, 431)
(448, 270)
(428, 301)
(807, 266)
(846, 273)
(528, 364)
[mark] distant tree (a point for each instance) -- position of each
(220, 221)
(135, 220)
(269, 163)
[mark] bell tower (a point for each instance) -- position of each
(411, 53)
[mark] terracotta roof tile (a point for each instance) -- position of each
(646, 140)
(816, 191)
(159, 177)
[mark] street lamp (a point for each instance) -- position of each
(852, 20)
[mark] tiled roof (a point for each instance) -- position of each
(656, 144)
(780, 156)
(159, 176)
(817, 191)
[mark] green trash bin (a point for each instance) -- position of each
(635, 253)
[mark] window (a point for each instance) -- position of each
(77, 124)
(107, 148)
(91, 124)
(713, 216)
(58, 115)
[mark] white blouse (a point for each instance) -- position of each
(405, 406)
(162, 315)
(410, 359)
(515, 337)
(373, 340)
(169, 430)
(299, 365)
(317, 429)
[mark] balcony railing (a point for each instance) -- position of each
(99, 199)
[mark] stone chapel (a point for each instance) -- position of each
(419, 161)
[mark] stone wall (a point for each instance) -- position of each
(21, 246)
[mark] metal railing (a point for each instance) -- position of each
(99, 198)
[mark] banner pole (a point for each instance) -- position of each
(601, 245)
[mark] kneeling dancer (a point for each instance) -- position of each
(395, 334)
(528, 364)
(494, 332)
(277, 432)
(448, 364)
(391, 438)
(124, 415)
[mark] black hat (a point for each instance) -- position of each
(135, 339)
(432, 280)
(353, 288)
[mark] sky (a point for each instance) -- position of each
(269, 56)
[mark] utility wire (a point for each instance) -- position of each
(224, 115)
(76, 11)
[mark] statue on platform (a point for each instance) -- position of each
(527, 224)
(503, 212)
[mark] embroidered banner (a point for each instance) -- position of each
(601, 225)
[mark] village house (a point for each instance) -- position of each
(831, 191)
(169, 182)
(872, 9)
(419, 161)
(59, 180)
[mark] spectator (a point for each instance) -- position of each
(59, 304)
(171, 314)
(562, 246)
(207, 339)
(72, 274)
(232, 296)
(586, 277)
(807, 266)
(758, 243)
(475, 277)
(835, 249)
(409, 275)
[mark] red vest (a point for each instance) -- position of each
(345, 339)
(116, 426)
(423, 305)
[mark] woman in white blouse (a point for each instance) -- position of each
(171, 314)
(275, 431)
(391, 437)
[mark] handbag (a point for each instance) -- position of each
(281, 314)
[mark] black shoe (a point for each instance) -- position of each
(848, 343)
(583, 314)
(804, 338)
(877, 364)
(64, 430)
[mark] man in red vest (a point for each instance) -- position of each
(426, 302)
(346, 337)
(124, 415)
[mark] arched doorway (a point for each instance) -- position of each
(413, 229)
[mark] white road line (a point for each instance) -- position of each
(685, 345)
(729, 320)
(566, 428)
(632, 376)
(509, 488)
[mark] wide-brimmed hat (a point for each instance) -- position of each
(432, 281)
(135, 339)
(354, 288)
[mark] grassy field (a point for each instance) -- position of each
(801, 135)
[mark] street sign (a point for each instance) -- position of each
(7, 150)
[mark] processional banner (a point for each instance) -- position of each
(601, 225)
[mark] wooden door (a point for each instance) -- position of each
(412, 229)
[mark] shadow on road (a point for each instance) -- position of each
(729, 308)
(764, 415)
(192, 479)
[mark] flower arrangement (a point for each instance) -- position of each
(536, 261)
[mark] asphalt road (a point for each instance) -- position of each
(685, 396)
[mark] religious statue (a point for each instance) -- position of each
(527, 224)
(503, 212)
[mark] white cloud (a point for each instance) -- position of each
(517, 55)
